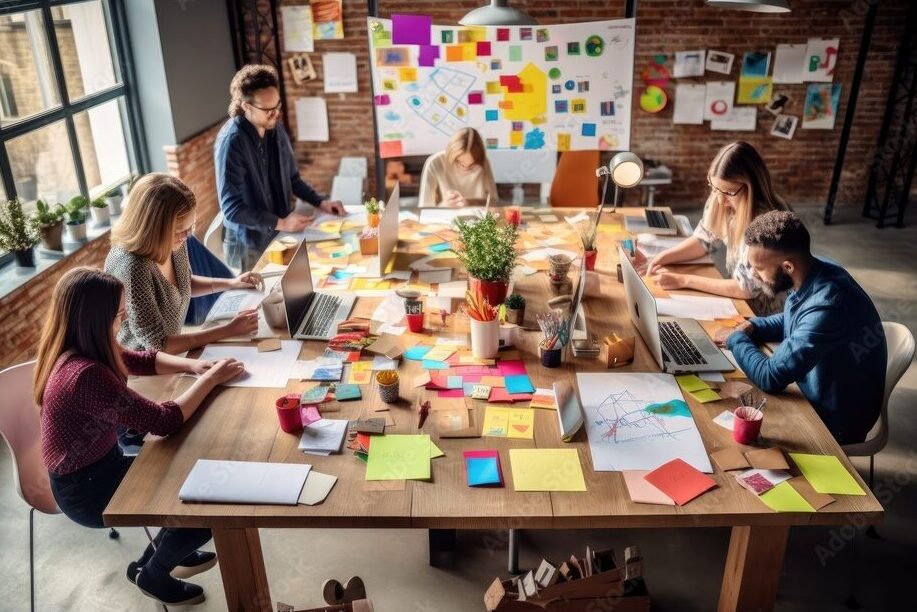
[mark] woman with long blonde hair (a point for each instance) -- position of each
(80, 383)
(740, 190)
(460, 175)
(149, 255)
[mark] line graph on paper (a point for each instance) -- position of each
(638, 422)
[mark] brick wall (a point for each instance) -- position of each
(802, 167)
(192, 162)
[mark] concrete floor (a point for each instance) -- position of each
(81, 569)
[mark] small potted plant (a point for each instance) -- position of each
(369, 240)
(114, 197)
(487, 249)
(485, 326)
(17, 235)
(49, 222)
(99, 209)
(373, 206)
(515, 309)
(75, 211)
(587, 233)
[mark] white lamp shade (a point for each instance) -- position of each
(755, 6)
(626, 169)
(497, 13)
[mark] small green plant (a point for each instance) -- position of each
(515, 301)
(114, 192)
(75, 210)
(46, 215)
(16, 233)
(100, 202)
(372, 206)
(487, 248)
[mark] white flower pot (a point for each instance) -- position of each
(485, 338)
(114, 205)
(77, 231)
(100, 216)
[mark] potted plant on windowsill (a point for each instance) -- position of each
(76, 217)
(487, 249)
(373, 206)
(17, 235)
(587, 233)
(100, 212)
(114, 197)
(49, 222)
(515, 309)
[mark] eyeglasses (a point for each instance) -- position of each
(728, 194)
(269, 111)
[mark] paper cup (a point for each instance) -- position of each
(415, 322)
(485, 338)
(288, 413)
(274, 312)
(746, 427)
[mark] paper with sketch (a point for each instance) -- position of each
(244, 482)
(638, 422)
(651, 245)
(323, 437)
(261, 369)
(231, 302)
(696, 307)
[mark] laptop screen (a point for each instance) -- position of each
(296, 285)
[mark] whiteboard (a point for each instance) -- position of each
(558, 87)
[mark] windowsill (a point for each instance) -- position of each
(12, 277)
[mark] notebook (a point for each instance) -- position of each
(244, 482)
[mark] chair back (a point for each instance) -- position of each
(21, 428)
(575, 183)
(213, 237)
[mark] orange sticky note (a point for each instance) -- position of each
(563, 142)
(454, 53)
(505, 104)
(515, 139)
(642, 492)
(390, 148)
(680, 481)
(407, 75)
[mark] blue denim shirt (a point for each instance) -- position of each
(244, 163)
(831, 344)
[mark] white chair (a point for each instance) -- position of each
(213, 237)
(900, 344)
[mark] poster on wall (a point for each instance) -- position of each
(789, 62)
(689, 103)
(340, 71)
(555, 87)
(821, 59)
(297, 28)
(822, 100)
(328, 19)
(719, 62)
(689, 64)
(784, 126)
(718, 99)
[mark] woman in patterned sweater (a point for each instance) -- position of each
(81, 385)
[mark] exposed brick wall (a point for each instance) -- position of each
(801, 167)
(192, 162)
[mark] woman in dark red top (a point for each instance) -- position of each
(81, 386)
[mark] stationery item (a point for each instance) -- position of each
(725, 419)
(641, 491)
(519, 383)
(315, 395)
(827, 474)
(691, 383)
(694, 307)
(388, 386)
(814, 498)
(767, 459)
(323, 437)
(789, 63)
(456, 423)
(244, 482)
(480, 392)
(759, 481)
(288, 413)
(680, 481)
(261, 369)
(509, 422)
(317, 488)
(346, 393)
(730, 458)
(482, 468)
(705, 395)
(369, 426)
(440, 352)
(360, 372)
(423, 411)
(387, 345)
(500, 395)
(544, 398)
(546, 469)
(747, 424)
(569, 410)
(309, 415)
(418, 353)
(784, 498)
(268, 345)
(399, 457)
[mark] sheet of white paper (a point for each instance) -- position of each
(231, 302)
(638, 422)
(437, 275)
(244, 482)
(651, 245)
(297, 28)
(689, 64)
(388, 328)
(741, 119)
(696, 307)
(712, 376)
(824, 52)
(689, 103)
(390, 310)
(270, 369)
(353, 166)
(725, 419)
(455, 289)
(789, 63)
(317, 488)
(311, 120)
(718, 102)
(323, 436)
(340, 71)
(381, 362)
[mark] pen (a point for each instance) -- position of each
(424, 411)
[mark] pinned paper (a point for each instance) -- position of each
(397, 457)
(680, 481)
(390, 148)
(546, 469)
(827, 474)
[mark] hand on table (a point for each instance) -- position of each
(293, 223)
(669, 280)
(223, 371)
(244, 323)
(724, 332)
(455, 199)
(333, 207)
(248, 280)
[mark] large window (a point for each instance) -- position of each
(66, 113)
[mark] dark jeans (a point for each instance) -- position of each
(84, 494)
(239, 254)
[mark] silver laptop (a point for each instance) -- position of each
(311, 315)
(678, 345)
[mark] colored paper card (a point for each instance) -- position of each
(482, 471)
(451, 393)
(827, 474)
(360, 372)
(343, 393)
(544, 398)
(509, 422)
(432, 364)
(690, 383)
(502, 34)
(588, 129)
(390, 148)
(515, 139)
(515, 53)
(730, 458)
(315, 395)
(440, 352)
(784, 498)
(309, 415)
(417, 353)
(493, 381)
(814, 498)
(491, 115)
(454, 382)
(491, 455)
(510, 367)
(411, 29)
(500, 395)
(399, 457)
(407, 75)
(435, 451)
(706, 395)
(519, 383)
(767, 459)
(680, 481)
(546, 469)
(441, 247)
(494, 87)
(382, 100)
(454, 53)
(483, 48)
(427, 56)
(476, 97)
(479, 391)
(563, 142)
(641, 491)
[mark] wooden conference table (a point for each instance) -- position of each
(241, 424)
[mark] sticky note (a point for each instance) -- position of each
(390, 148)
(493, 87)
(344, 393)
(454, 382)
(642, 492)
(509, 422)
(690, 383)
(491, 115)
(440, 352)
(544, 398)
(512, 83)
(515, 53)
(432, 364)
(784, 498)
(411, 29)
(588, 129)
(706, 395)
(827, 474)
(483, 474)
(476, 97)
(399, 457)
(519, 383)
(493, 381)
(479, 391)
(509, 367)
(309, 415)
(382, 100)
(515, 139)
(680, 481)
(503, 34)
(454, 53)
(435, 451)
(407, 75)
(563, 142)
(427, 56)
(360, 372)
(417, 353)
(546, 469)
(483, 48)
(578, 106)
(440, 247)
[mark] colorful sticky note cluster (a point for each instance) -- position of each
(509, 422)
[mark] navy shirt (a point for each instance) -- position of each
(255, 179)
(831, 344)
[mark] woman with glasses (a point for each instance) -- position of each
(740, 190)
(460, 175)
(149, 255)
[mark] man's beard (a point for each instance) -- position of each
(783, 282)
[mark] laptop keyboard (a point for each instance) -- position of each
(678, 346)
(657, 219)
(324, 308)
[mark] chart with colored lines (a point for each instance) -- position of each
(638, 422)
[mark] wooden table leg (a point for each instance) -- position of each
(753, 568)
(242, 568)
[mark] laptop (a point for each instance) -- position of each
(678, 345)
(311, 315)
(658, 220)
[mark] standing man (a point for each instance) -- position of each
(256, 170)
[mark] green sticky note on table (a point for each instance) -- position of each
(827, 474)
(705, 395)
(784, 498)
(545, 469)
(345, 393)
(399, 457)
(690, 383)
(435, 451)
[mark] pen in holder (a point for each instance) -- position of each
(555, 330)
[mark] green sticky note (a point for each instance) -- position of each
(435, 451)
(315, 395)
(827, 474)
(399, 457)
(784, 498)
(515, 53)
(690, 383)
(705, 395)
(344, 393)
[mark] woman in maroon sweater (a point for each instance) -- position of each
(81, 386)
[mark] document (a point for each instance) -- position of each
(297, 28)
(696, 307)
(689, 103)
(311, 120)
(261, 369)
(244, 482)
(340, 72)
(651, 245)
(231, 302)
(323, 437)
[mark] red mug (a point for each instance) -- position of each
(415, 322)
(746, 426)
(288, 413)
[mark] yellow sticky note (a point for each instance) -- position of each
(578, 106)
(440, 352)
(539, 120)
(784, 498)
(360, 372)
(546, 469)
(515, 139)
(493, 87)
(521, 423)
(705, 395)
(563, 142)
(469, 51)
(496, 422)
(407, 75)
(691, 383)
(827, 474)
(399, 457)
(389, 85)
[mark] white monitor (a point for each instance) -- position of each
(518, 166)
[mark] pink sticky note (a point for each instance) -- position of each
(411, 29)
(383, 100)
(503, 34)
(390, 148)
(476, 97)
(642, 492)
(483, 48)
(680, 481)
(451, 393)
(309, 414)
(511, 367)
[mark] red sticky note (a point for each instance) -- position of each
(509, 367)
(511, 82)
(680, 481)
(309, 414)
(437, 382)
(503, 34)
(476, 97)
(483, 48)
(499, 395)
(390, 148)
(451, 393)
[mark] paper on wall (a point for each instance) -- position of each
(297, 28)
(689, 64)
(718, 101)
(789, 62)
(741, 119)
(689, 103)
(821, 59)
(311, 120)
(340, 70)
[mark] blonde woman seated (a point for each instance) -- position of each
(740, 190)
(460, 175)
(149, 255)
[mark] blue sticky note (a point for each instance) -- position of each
(429, 364)
(441, 247)
(347, 392)
(519, 383)
(416, 353)
(588, 129)
(492, 115)
(453, 382)
(468, 389)
(315, 395)
(482, 471)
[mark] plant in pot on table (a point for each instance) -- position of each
(75, 211)
(487, 249)
(587, 233)
(48, 221)
(515, 309)
(485, 326)
(17, 235)
(373, 206)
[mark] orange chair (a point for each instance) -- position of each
(575, 182)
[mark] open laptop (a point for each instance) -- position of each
(658, 220)
(678, 345)
(311, 315)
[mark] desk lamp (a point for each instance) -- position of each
(625, 169)
(497, 13)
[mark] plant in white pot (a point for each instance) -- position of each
(487, 249)
(101, 215)
(76, 217)
(48, 221)
(114, 198)
(17, 235)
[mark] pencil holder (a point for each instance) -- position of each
(388, 386)
(551, 358)
(288, 413)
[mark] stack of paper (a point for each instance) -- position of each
(270, 369)
(244, 482)
(694, 307)
(697, 388)
(323, 437)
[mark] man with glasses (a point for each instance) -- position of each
(256, 170)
